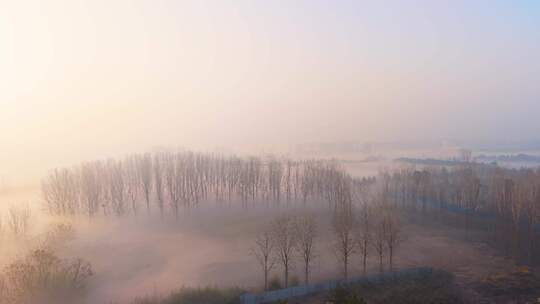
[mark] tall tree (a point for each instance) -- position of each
(284, 241)
(264, 251)
(344, 244)
(306, 232)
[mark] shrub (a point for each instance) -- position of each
(58, 235)
(206, 295)
(435, 287)
(42, 277)
(294, 281)
(274, 284)
(18, 220)
(342, 295)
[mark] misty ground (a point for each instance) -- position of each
(212, 247)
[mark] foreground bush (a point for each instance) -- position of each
(434, 288)
(342, 295)
(275, 284)
(42, 277)
(206, 295)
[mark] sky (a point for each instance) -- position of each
(91, 79)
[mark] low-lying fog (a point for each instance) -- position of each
(209, 245)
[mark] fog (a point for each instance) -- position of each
(93, 79)
(390, 105)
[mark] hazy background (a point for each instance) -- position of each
(91, 79)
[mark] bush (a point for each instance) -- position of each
(294, 281)
(436, 287)
(342, 295)
(58, 235)
(274, 284)
(42, 277)
(206, 295)
(18, 220)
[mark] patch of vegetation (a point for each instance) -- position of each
(274, 284)
(207, 295)
(42, 277)
(295, 281)
(521, 282)
(342, 295)
(434, 288)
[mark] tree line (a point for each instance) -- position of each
(169, 181)
(504, 201)
(360, 227)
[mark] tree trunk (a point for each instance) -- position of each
(306, 273)
(286, 276)
(345, 266)
(364, 261)
(390, 257)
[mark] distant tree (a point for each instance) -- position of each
(60, 191)
(117, 186)
(158, 182)
(144, 168)
(19, 220)
(533, 216)
(173, 180)
(91, 188)
(465, 155)
(132, 182)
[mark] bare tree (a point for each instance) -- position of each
(364, 237)
(158, 183)
(517, 207)
(379, 238)
(174, 181)
(131, 177)
(91, 188)
(344, 245)
(306, 232)
(144, 166)
(533, 217)
(264, 253)
(117, 186)
(284, 240)
(60, 191)
(393, 234)
(19, 220)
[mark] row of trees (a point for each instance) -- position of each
(287, 237)
(356, 231)
(509, 198)
(370, 228)
(184, 179)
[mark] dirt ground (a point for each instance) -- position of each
(449, 249)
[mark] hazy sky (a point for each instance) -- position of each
(82, 79)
